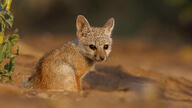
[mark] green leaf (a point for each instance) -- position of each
(14, 38)
(8, 42)
(3, 48)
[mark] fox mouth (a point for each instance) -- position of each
(96, 59)
(99, 60)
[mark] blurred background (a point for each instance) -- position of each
(150, 65)
(154, 20)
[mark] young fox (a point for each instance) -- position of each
(64, 68)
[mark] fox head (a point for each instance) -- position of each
(94, 42)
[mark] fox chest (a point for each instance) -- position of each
(83, 66)
(83, 69)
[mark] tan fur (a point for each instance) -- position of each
(64, 68)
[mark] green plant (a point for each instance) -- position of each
(7, 42)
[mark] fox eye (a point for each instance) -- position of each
(93, 47)
(106, 47)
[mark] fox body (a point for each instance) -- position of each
(64, 68)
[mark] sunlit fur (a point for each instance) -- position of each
(98, 36)
(63, 68)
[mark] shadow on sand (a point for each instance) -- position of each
(110, 78)
(114, 78)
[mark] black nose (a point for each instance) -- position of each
(102, 58)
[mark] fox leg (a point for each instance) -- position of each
(78, 83)
(60, 76)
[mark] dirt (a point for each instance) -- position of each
(137, 74)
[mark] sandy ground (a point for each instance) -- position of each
(137, 74)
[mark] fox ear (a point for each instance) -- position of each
(109, 25)
(82, 25)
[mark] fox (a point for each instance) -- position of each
(65, 67)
